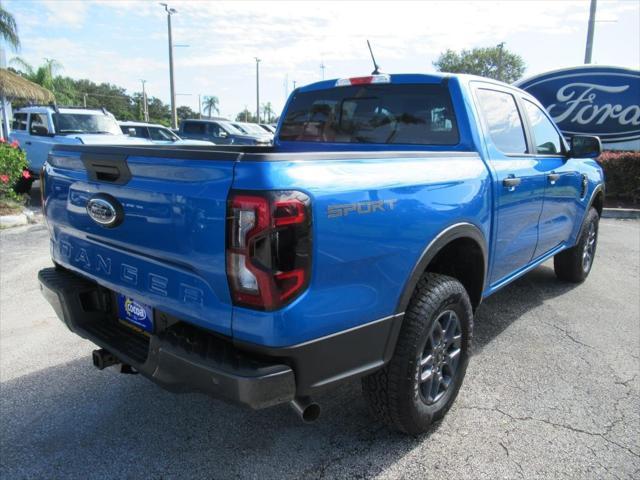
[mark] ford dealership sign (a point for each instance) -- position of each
(591, 100)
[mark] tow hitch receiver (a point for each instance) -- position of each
(103, 359)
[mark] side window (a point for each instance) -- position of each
(545, 135)
(38, 124)
(214, 129)
(159, 134)
(501, 115)
(19, 121)
(136, 131)
(196, 128)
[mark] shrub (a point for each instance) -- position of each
(13, 168)
(622, 174)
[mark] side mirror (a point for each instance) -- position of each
(584, 146)
(223, 134)
(39, 130)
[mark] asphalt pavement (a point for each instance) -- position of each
(552, 391)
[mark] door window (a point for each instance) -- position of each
(38, 124)
(135, 131)
(195, 128)
(214, 129)
(501, 115)
(19, 121)
(546, 137)
(162, 134)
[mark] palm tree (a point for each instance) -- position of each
(267, 108)
(9, 29)
(44, 75)
(211, 104)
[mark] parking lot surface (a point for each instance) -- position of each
(552, 391)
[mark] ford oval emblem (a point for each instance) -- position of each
(591, 100)
(105, 210)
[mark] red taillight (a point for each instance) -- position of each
(268, 247)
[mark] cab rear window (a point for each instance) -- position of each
(376, 114)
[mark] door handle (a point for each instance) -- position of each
(27, 143)
(553, 177)
(511, 183)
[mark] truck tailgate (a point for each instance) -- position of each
(168, 251)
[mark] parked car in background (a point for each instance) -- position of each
(269, 128)
(158, 134)
(38, 128)
(221, 132)
(253, 129)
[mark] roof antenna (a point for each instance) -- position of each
(376, 68)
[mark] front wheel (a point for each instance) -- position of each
(574, 264)
(423, 377)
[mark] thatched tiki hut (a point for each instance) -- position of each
(13, 86)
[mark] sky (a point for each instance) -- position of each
(123, 41)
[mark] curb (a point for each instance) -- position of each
(621, 213)
(9, 221)
(25, 218)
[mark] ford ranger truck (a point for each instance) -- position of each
(359, 245)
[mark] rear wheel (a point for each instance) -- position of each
(574, 264)
(422, 380)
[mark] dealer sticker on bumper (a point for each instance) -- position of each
(134, 312)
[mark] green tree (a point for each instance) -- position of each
(246, 116)
(185, 112)
(210, 104)
(84, 92)
(42, 75)
(9, 29)
(492, 62)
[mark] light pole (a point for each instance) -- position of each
(590, 32)
(174, 114)
(322, 67)
(257, 89)
(145, 106)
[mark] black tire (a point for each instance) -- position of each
(574, 264)
(395, 393)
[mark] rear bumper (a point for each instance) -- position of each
(219, 370)
(181, 357)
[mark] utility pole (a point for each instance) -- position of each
(294, 84)
(174, 114)
(590, 31)
(199, 106)
(84, 99)
(257, 89)
(499, 69)
(145, 105)
(322, 67)
(246, 114)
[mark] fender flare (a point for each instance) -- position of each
(453, 232)
(598, 189)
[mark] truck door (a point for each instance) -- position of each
(519, 184)
(563, 181)
(39, 142)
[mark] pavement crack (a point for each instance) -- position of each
(626, 382)
(569, 335)
(565, 426)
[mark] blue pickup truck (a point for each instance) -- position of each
(358, 245)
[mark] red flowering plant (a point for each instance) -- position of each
(13, 167)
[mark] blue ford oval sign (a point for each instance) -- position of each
(591, 100)
(105, 210)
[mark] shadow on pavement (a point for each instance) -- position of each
(73, 421)
(497, 312)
